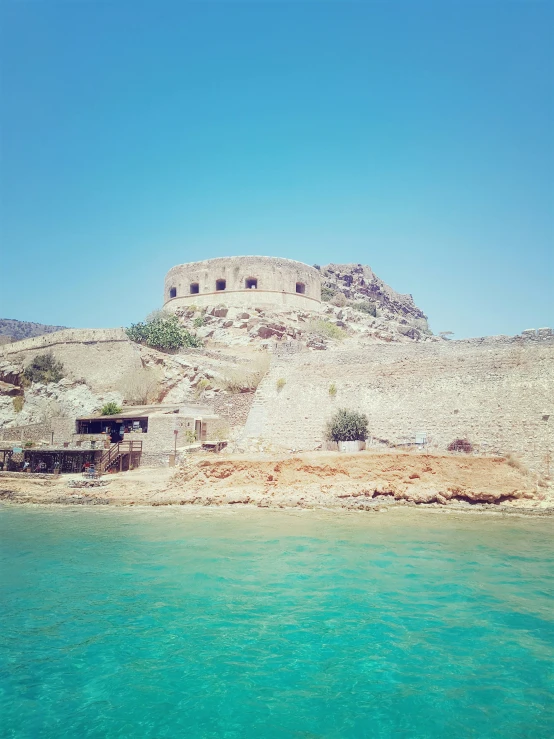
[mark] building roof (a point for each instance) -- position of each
(144, 411)
(43, 447)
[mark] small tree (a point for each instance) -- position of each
(347, 426)
(44, 369)
(111, 409)
(164, 332)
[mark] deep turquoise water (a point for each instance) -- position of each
(177, 623)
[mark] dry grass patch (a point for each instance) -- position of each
(247, 379)
(141, 386)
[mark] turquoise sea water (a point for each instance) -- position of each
(177, 623)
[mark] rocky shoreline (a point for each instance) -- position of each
(319, 481)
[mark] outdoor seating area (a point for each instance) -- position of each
(97, 444)
(46, 460)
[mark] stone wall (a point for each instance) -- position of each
(63, 429)
(233, 408)
(497, 392)
(278, 282)
(66, 336)
(159, 442)
(100, 356)
(30, 432)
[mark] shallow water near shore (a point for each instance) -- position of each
(235, 623)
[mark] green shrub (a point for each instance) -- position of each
(347, 426)
(44, 369)
(189, 436)
(326, 294)
(18, 403)
(29, 444)
(332, 389)
(198, 322)
(111, 409)
(325, 330)
(369, 308)
(281, 382)
(163, 332)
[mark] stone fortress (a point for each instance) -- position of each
(494, 391)
(243, 282)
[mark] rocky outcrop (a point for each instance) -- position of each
(331, 481)
(101, 371)
(355, 300)
(234, 327)
(358, 283)
(360, 481)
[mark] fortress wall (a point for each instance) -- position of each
(66, 336)
(495, 392)
(102, 357)
(274, 277)
(248, 300)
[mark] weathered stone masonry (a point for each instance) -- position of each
(247, 282)
(102, 356)
(497, 392)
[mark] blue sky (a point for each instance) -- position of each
(416, 137)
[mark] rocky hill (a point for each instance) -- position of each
(357, 304)
(16, 330)
(361, 287)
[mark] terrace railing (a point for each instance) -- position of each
(116, 451)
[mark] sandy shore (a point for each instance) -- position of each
(319, 480)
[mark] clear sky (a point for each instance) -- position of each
(416, 137)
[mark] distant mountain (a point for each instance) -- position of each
(17, 330)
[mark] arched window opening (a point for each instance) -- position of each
(172, 292)
(220, 284)
(194, 288)
(300, 287)
(251, 283)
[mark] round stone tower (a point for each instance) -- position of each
(244, 282)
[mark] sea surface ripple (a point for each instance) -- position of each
(238, 624)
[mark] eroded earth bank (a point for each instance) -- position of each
(363, 481)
